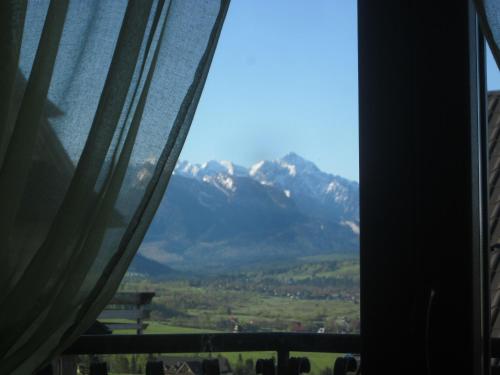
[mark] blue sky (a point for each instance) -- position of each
(492, 73)
(284, 78)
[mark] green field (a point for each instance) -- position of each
(317, 292)
(311, 293)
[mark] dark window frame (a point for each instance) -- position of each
(424, 283)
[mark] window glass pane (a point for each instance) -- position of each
(259, 228)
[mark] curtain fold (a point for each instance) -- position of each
(489, 17)
(97, 97)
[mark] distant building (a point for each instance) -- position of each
(297, 327)
(192, 366)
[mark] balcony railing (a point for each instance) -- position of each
(281, 343)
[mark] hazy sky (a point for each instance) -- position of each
(284, 78)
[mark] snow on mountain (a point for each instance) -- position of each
(221, 181)
(354, 226)
(233, 169)
(186, 169)
(220, 174)
(305, 166)
(211, 168)
(222, 214)
(315, 191)
(292, 172)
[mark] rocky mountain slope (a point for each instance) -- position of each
(218, 215)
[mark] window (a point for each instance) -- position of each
(259, 228)
(422, 197)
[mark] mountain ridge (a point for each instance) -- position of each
(219, 214)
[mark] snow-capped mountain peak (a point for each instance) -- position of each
(291, 165)
(298, 178)
(219, 211)
(218, 173)
(186, 169)
(212, 167)
(209, 168)
(228, 165)
(300, 164)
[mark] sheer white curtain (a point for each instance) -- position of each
(96, 99)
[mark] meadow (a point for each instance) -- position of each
(311, 294)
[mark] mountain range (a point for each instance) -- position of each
(219, 215)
